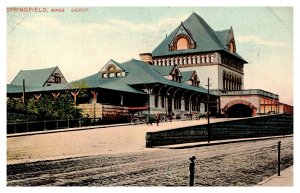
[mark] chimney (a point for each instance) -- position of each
(147, 58)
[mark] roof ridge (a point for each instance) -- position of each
(40, 69)
(206, 28)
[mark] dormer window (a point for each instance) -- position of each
(195, 80)
(182, 44)
(57, 78)
(182, 40)
(231, 47)
(176, 76)
(112, 70)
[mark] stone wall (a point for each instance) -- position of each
(263, 126)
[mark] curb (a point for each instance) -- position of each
(65, 130)
(219, 142)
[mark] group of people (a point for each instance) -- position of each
(157, 118)
(150, 120)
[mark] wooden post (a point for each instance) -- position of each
(192, 170)
(278, 159)
(37, 96)
(74, 94)
(121, 102)
(94, 96)
(55, 95)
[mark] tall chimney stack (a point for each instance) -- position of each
(147, 58)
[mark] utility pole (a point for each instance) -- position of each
(208, 112)
(23, 91)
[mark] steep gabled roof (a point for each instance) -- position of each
(187, 75)
(207, 40)
(164, 70)
(111, 61)
(36, 77)
(138, 73)
(223, 37)
(35, 81)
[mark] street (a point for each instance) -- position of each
(236, 164)
(107, 140)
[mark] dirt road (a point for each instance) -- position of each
(237, 164)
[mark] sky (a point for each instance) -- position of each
(80, 43)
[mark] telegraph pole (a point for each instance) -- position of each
(208, 112)
(23, 91)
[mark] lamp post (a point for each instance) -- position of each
(208, 113)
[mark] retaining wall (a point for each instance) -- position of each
(279, 124)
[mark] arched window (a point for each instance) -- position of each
(112, 71)
(156, 100)
(182, 44)
(231, 47)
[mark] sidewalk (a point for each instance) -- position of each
(285, 179)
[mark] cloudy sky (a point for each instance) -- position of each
(80, 43)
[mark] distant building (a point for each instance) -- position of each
(37, 81)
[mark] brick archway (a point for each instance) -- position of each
(239, 102)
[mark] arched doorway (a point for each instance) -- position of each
(239, 108)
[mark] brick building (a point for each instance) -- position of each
(195, 46)
(170, 79)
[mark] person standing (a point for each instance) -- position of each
(157, 118)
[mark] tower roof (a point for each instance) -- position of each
(206, 39)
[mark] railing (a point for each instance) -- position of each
(252, 92)
(31, 126)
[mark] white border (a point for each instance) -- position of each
(152, 3)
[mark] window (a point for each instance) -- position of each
(211, 58)
(176, 76)
(207, 59)
(112, 71)
(231, 47)
(156, 101)
(193, 105)
(162, 101)
(202, 59)
(182, 44)
(187, 104)
(195, 83)
(112, 74)
(57, 79)
(177, 103)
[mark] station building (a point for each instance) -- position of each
(194, 45)
(173, 78)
